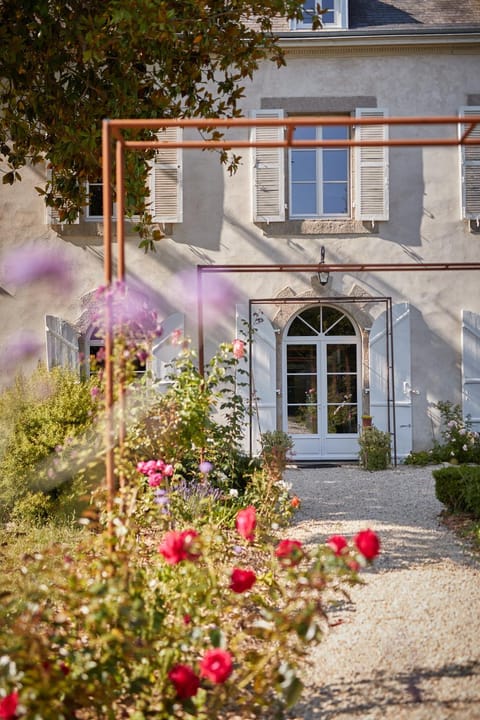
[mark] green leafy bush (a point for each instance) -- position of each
(38, 416)
(458, 487)
(449, 487)
(375, 448)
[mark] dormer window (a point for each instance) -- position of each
(334, 15)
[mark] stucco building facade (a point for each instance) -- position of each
(325, 351)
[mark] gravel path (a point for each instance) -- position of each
(408, 648)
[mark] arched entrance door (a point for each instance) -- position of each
(321, 384)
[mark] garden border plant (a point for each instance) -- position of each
(169, 609)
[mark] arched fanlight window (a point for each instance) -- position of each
(321, 320)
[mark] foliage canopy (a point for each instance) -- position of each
(65, 66)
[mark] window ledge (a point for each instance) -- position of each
(318, 227)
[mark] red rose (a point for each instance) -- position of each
(8, 706)
(289, 552)
(368, 543)
(246, 522)
(185, 681)
(295, 501)
(216, 665)
(176, 546)
(337, 543)
(242, 580)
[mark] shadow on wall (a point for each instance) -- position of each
(431, 378)
(406, 198)
(203, 195)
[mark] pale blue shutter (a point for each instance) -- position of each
(164, 351)
(263, 376)
(268, 171)
(62, 344)
(380, 374)
(166, 189)
(470, 167)
(471, 367)
(371, 169)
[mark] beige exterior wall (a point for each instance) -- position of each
(425, 217)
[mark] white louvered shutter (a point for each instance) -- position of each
(268, 171)
(164, 351)
(263, 412)
(52, 216)
(470, 167)
(166, 190)
(62, 344)
(471, 367)
(371, 168)
(380, 376)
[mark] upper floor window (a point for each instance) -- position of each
(334, 14)
(320, 177)
(321, 182)
(94, 209)
(165, 185)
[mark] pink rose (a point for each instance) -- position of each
(238, 349)
(155, 479)
(289, 552)
(337, 543)
(216, 665)
(242, 580)
(185, 681)
(177, 546)
(246, 522)
(8, 706)
(368, 543)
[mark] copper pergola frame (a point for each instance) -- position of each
(115, 145)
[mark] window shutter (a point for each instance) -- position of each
(471, 367)
(371, 169)
(268, 171)
(166, 179)
(52, 216)
(380, 376)
(470, 167)
(164, 351)
(262, 382)
(62, 344)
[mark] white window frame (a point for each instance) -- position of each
(319, 186)
(96, 218)
(340, 9)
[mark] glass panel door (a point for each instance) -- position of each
(341, 376)
(302, 389)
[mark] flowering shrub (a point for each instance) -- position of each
(460, 442)
(172, 622)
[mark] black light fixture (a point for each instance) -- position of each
(322, 275)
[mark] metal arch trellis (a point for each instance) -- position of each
(114, 144)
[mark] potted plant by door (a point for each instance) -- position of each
(366, 420)
(375, 448)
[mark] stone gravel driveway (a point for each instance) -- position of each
(408, 648)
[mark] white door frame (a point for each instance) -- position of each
(323, 445)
